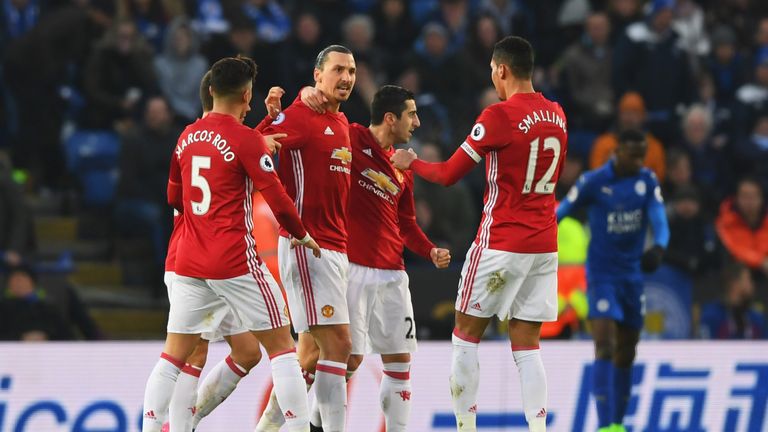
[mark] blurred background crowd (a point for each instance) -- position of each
(95, 92)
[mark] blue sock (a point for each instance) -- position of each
(602, 389)
(622, 388)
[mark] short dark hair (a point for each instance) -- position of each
(230, 74)
(206, 100)
(323, 55)
(390, 99)
(631, 136)
(517, 54)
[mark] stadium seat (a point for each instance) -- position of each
(92, 157)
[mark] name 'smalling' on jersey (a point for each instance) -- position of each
(207, 136)
(540, 116)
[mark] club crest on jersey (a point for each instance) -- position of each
(343, 154)
(381, 181)
(640, 188)
(279, 119)
(327, 311)
(478, 132)
(266, 163)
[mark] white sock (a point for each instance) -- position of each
(395, 396)
(314, 416)
(272, 418)
(533, 382)
(182, 409)
(465, 378)
(217, 386)
(158, 393)
(291, 391)
(331, 394)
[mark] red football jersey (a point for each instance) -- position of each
(314, 166)
(170, 257)
(524, 140)
(382, 219)
(218, 163)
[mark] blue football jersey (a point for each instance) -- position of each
(619, 209)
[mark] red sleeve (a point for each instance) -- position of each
(448, 172)
(265, 122)
(410, 231)
(487, 134)
(283, 209)
(175, 195)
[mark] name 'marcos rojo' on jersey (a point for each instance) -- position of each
(524, 141)
(381, 216)
(315, 165)
(215, 167)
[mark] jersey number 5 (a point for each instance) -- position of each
(543, 186)
(201, 162)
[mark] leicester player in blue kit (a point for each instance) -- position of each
(622, 199)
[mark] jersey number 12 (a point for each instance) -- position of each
(544, 185)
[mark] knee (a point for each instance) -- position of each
(199, 355)
(625, 355)
(340, 342)
(308, 360)
(354, 362)
(247, 356)
(604, 350)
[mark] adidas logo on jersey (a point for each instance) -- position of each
(368, 152)
(476, 306)
(150, 415)
(328, 131)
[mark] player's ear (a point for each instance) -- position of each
(316, 74)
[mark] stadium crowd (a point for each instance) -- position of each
(692, 74)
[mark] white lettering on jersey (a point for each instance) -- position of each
(207, 136)
(622, 222)
(539, 116)
(471, 152)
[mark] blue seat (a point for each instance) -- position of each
(92, 156)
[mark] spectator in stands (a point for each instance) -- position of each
(358, 33)
(751, 153)
(622, 13)
(735, 316)
(207, 16)
(454, 16)
(743, 225)
(761, 34)
(678, 174)
(689, 22)
(586, 68)
(752, 98)
(144, 160)
(117, 77)
(150, 17)
(726, 64)
(706, 153)
(18, 17)
(300, 52)
(179, 70)
(268, 17)
(395, 34)
(446, 215)
(692, 242)
(631, 116)
(648, 59)
(512, 15)
(484, 32)
(16, 230)
(24, 315)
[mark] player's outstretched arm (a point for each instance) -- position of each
(174, 191)
(444, 173)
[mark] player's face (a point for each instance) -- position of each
(337, 77)
(247, 96)
(404, 126)
(630, 157)
(496, 79)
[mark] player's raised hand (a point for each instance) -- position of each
(272, 102)
(402, 159)
(314, 99)
(272, 143)
(309, 244)
(440, 257)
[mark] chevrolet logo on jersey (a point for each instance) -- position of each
(381, 180)
(343, 154)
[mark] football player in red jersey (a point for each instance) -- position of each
(381, 225)
(511, 268)
(215, 167)
(315, 162)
